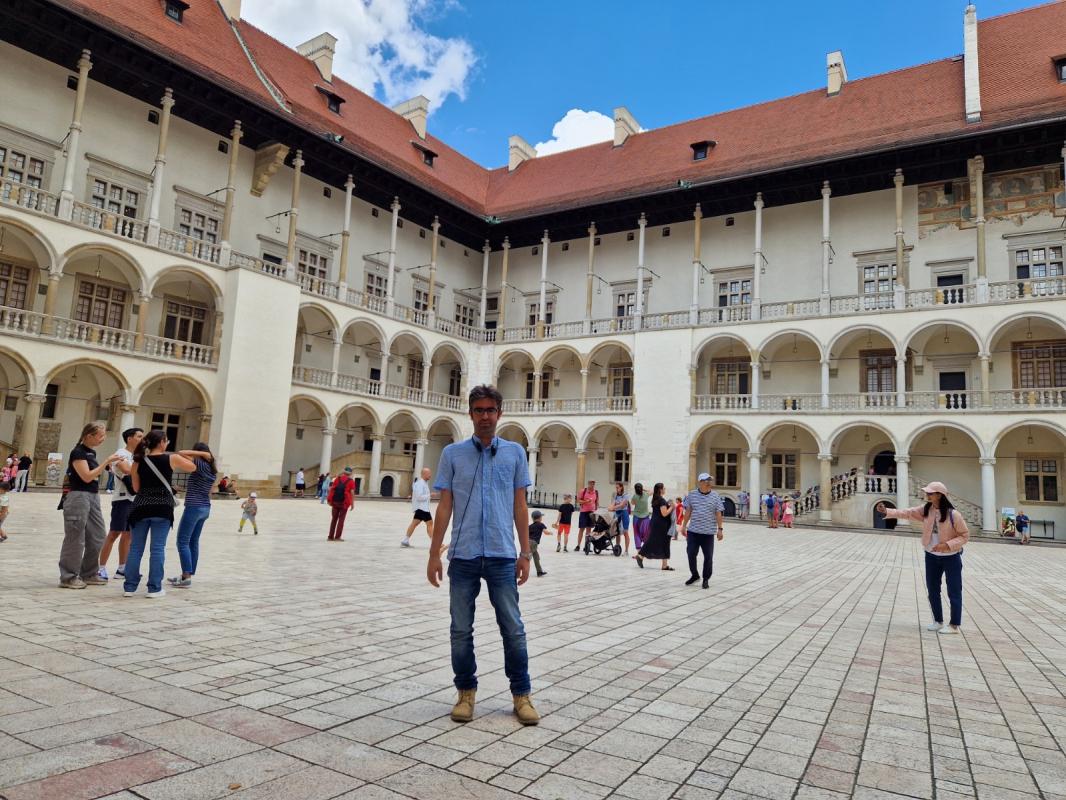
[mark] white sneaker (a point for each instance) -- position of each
(405, 543)
(102, 573)
(160, 593)
(948, 629)
(129, 594)
(934, 626)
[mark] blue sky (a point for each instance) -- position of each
(500, 67)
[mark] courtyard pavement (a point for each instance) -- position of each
(296, 669)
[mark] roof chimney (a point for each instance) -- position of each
(231, 8)
(320, 50)
(836, 72)
(971, 71)
(519, 150)
(624, 125)
(416, 111)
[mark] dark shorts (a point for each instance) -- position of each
(423, 516)
(584, 519)
(120, 515)
(301, 486)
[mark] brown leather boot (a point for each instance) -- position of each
(523, 709)
(463, 710)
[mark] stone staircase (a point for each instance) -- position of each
(971, 511)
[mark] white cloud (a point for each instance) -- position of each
(577, 128)
(382, 49)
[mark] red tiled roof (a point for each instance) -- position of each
(898, 108)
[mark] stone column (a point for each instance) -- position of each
(542, 306)
(988, 496)
(294, 215)
(901, 381)
(825, 484)
(129, 417)
(903, 484)
(903, 279)
(536, 390)
(642, 225)
(697, 265)
(434, 245)
(66, 195)
(325, 461)
(390, 275)
(205, 428)
(28, 438)
(50, 301)
(501, 320)
(427, 380)
(979, 208)
(691, 467)
(231, 188)
(755, 476)
(142, 320)
(374, 489)
(756, 277)
(346, 235)
(160, 168)
(589, 277)
(532, 451)
(580, 469)
(756, 374)
(986, 379)
(485, 250)
(584, 389)
(825, 383)
(335, 364)
(826, 247)
(420, 453)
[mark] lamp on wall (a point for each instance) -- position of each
(947, 338)
(1028, 329)
(74, 377)
(866, 435)
(2, 230)
(98, 260)
(1029, 439)
(943, 437)
(794, 439)
(794, 349)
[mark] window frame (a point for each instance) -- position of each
(116, 175)
(10, 281)
(864, 369)
(726, 361)
(126, 303)
(729, 276)
(621, 465)
(32, 147)
(722, 480)
(1057, 458)
(784, 467)
(207, 321)
(1016, 363)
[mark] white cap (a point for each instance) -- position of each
(253, 494)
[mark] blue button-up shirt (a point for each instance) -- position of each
(483, 487)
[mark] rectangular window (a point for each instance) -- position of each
(197, 225)
(455, 382)
(170, 424)
(621, 381)
(727, 468)
(115, 198)
(736, 292)
(99, 303)
(1040, 478)
(313, 264)
(878, 284)
(784, 471)
(729, 376)
(466, 313)
(1040, 365)
(877, 371)
(422, 299)
(375, 283)
(545, 384)
(621, 466)
(415, 371)
(549, 311)
(14, 285)
(1038, 262)
(184, 322)
(21, 168)
(51, 397)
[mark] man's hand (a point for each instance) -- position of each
(434, 570)
(684, 531)
(721, 535)
(521, 570)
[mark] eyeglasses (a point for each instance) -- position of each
(485, 412)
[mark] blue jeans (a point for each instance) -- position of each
(189, 529)
(464, 582)
(159, 528)
(950, 567)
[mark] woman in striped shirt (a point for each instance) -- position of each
(197, 510)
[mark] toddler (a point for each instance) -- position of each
(5, 507)
(250, 509)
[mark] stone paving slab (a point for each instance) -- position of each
(298, 668)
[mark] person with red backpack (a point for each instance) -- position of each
(341, 499)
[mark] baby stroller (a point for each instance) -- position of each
(603, 536)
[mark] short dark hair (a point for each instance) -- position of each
(486, 392)
(126, 434)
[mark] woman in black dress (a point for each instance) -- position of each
(658, 541)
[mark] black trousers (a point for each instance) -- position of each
(704, 542)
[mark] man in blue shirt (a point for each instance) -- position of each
(482, 483)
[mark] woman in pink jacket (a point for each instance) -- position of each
(944, 534)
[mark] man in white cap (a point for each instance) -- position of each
(703, 521)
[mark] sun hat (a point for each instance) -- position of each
(935, 486)
(253, 494)
(703, 476)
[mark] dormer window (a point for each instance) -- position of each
(175, 9)
(427, 154)
(700, 150)
(333, 100)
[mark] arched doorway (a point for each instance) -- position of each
(730, 507)
(387, 486)
(884, 463)
(879, 521)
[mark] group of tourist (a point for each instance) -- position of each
(142, 512)
(16, 472)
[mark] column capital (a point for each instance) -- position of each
(537, 373)
(825, 456)
(349, 184)
(168, 98)
(755, 454)
(506, 242)
(898, 177)
(205, 418)
(826, 191)
(592, 225)
(395, 206)
(486, 248)
(643, 221)
(979, 163)
(236, 133)
(759, 203)
(85, 62)
(144, 297)
(329, 431)
(545, 239)
(34, 398)
(584, 370)
(54, 275)
(698, 213)
(580, 451)
(298, 160)
(903, 459)
(128, 408)
(377, 437)
(532, 450)
(985, 356)
(986, 462)
(901, 359)
(436, 224)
